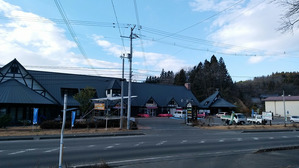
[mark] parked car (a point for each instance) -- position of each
(164, 115)
(180, 114)
(143, 115)
(201, 115)
(221, 114)
(294, 119)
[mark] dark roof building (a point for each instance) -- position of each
(215, 103)
(22, 90)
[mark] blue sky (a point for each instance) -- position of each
(173, 34)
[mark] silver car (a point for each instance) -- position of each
(294, 119)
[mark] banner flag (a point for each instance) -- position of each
(73, 117)
(35, 115)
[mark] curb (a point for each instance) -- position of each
(67, 136)
(261, 131)
(277, 149)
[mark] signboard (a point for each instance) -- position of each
(99, 106)
(189, 110)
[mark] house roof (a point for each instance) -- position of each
(12, 91)
(215, 100)
(53, 83)
(280, 98)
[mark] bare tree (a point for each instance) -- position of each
(290, 19)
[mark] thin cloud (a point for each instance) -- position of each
(251, 29)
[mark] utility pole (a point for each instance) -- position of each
(122, 93)
(132, 36)
(284, 109)
(62, 130)
(130, 78)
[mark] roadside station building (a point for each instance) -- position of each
(276, 105)
(21, 90)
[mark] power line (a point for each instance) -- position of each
(71, 30)
(218, 13)
(122, 40)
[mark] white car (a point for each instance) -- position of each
(294, 119)
(221, 114)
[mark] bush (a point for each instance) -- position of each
(5, 120)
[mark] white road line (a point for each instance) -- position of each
(51, 150)
(1, 151)
(184, 141)
(221, 140)
(271, 137)
(22, 151)
(18, 152)
(109, 147)
(285, 137)
(90, 146)
(160, 143)
(202, 141)
(255, 138)
(138, 144)
(239, 139)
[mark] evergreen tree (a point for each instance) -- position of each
(180, 78)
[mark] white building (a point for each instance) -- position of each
(276, 105)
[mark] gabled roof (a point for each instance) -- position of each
(12, 91)
(52, 83)
(280, 98)
(215, 100)
(222, 103)
(114, 84)
(162, 94)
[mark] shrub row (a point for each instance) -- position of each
(5, 120)
(51, 124)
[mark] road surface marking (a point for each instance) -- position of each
(138, 144)
(221, 140)
(202, 141)
(52, 150)
(285, 137)
(90, 146)
(109, 147)
(160, 143)
(271, 137)
(239, 139)
(255, 138)
(22, 151)
(183, 141)
(18, 152)
(1, 151)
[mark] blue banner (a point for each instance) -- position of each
(35, 115)
(73, 117)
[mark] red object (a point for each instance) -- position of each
(201, 115)
(164, 115)
(143, 115)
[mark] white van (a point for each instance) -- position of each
(180, 114)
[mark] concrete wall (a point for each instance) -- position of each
(277, 107)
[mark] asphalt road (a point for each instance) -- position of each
(166, 143)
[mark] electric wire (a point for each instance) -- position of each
(208, 18)
(72, 32)
(116, 18)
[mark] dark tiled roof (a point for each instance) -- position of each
(280, 98)
(12, 91)
(215, 100)
(162, 94)
(222, 103)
